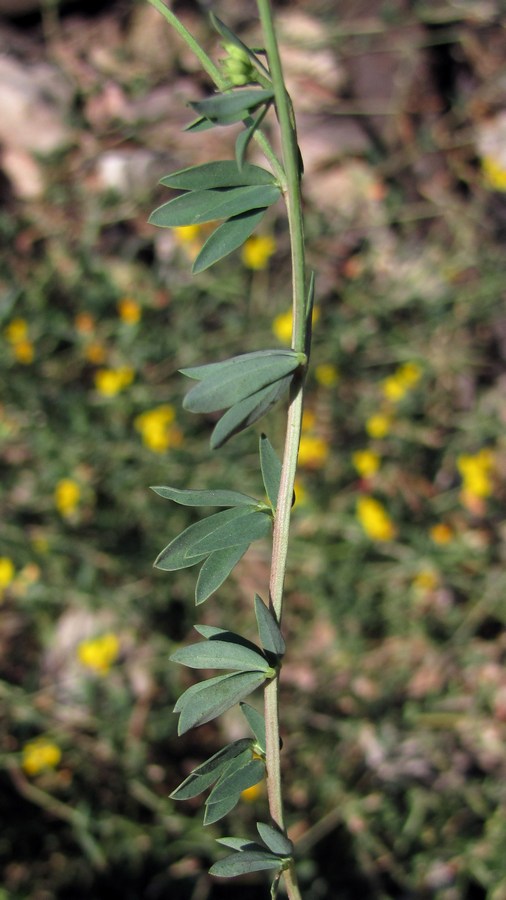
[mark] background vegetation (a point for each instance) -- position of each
(394, 689)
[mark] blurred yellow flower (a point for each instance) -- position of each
(67, 495)
(409, 374)
(374, 519)
(257, 251)
(301, 495)
(441, 533)
(326, 374)
(378, 425)
(366, 462)
(476, 473)
(99, 653)
(282, 325)
(24, 352)
(129, 310)
(95, 353)
(7, 573)
(396, 386)
(313, 451)
(110, 382)
(426, 580)
(157, 429)
(39, 755)
(189, 238)
(308, 420)
(253, 793)
(16, 331)
(495, 173)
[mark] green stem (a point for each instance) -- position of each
(290, 157)
(221, 83)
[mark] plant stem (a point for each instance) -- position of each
(290, 157)
(221, 83)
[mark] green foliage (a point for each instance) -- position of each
(205, 701)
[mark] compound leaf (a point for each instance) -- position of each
(197, 207)
(245, 413)
(237, 781)
(210, 770)
(203, 702)
(216, 569)
(174, 556)
(218, 654)
(241, 530)
(245, 861)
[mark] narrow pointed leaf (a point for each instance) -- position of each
(242, 530)
(205, 498)
(197, 207)
(227, 238)
(271, 638)
(244, 137)
(203, 702)
(221, 389)
(218, 654)
(256, 722)
(225, 109)
(274, 839)
(216, 569)
(237, 781)
(200, 124)
(216, 811)
(236, 843)
(270, 465)
(209, 771)
(174, 557)
(222, 634)
(200, 372)
(219, 174)
(245, 861)
(248, 411)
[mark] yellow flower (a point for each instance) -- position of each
(67, 495)
(378, 425)
(24, 353)
(253, 793)
(7, 574)
(326, 374)
(495, 173)
(313, 451)
(95, 353)
(99, 653)
(393, 389)
(257, 251)
(366, 462)
(374, 519)
(409, 374)
(441, 533)
(16, 331)
(39, 755)
(157, 429)
(426, 580)
(301, 495)
(396, 386)
(129, 311)
(282, 325)
(189, 238)
(110, 382)
(476, 473)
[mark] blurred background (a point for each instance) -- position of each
(394, 688)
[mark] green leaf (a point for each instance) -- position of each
(240, 378)
(244, 137)
(219, 174)
(216, 811)
(216, 569)
(245, 861)
(256, 722)
(205, 498)
(242, 530)
(270, 465)
(225, 109)
(197, 207)
(174, 557)
(237, 781)
(210, 770)
(245, 413)
(309, 310)
(235, 843)
(222, 634)
(200, 124)
(200, 372)
(270, 636)
(218, 654)
(275, 839)
(227, 238)
(202, 702)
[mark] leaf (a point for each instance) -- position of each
(200, 124)
(222, 634)
(240, 379)
(270, 636)
(197, 207)
(225, 109)
(205, 498)
(216, 569)
(248, 411)
(200, 372)
(231, 38)
(239, 843)
(242, 530)
(216, 811)
(218, 654)
(203, 702)
(227, 238)
(237, 781)
(174, 557)
(275, 839)
(219, 174)
(244, 137)
(270, 465)
(309, 310)
(209, 771)
(256, 722)
(245, 861)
